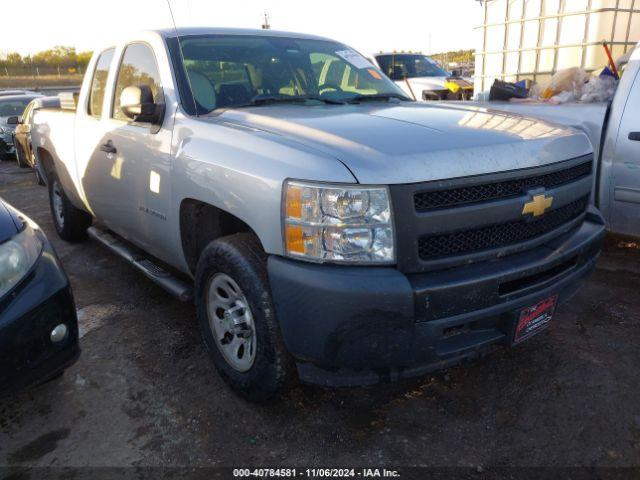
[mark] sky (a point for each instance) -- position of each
(430, 26)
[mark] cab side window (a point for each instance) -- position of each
(138, 67)
(99, 83)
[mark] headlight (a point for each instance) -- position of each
(17, 256)
(1, 130)
(338, 223)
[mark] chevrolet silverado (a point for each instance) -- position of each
(341, 234)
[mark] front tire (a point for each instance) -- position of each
(237, 318)
(70, 222)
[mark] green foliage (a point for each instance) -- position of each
(62, 57)
(459, 56)
(13, 59)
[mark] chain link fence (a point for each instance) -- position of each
(36, 76)
(40, 71)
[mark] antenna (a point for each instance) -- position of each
(265, 25)
(175, 28)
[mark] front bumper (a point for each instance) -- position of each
(363, 325)
(28, 314)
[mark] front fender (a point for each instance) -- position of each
(241, 170)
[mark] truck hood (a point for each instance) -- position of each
(407, 142)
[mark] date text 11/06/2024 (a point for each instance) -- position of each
(316, 472)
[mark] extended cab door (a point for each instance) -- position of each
(625, 214)
(92, 164)
(138, 159)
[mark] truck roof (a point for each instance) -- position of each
(185, 31)
(396, 53)
(29, 96)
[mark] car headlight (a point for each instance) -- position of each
(1, 131)
(338, 223)
(17, 256)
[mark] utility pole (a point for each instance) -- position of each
(265, 25)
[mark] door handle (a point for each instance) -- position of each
(108, 147)
(635, 136)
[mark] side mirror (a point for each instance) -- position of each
(136, 102)
(13, 120)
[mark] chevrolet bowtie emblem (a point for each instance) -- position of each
(538, 205)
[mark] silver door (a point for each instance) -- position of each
(141, 189)
(625, 211)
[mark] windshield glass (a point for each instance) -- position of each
(10, 107)
(410, 66)
(238, 70)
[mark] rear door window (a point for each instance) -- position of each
(138, 67)
(99, 83)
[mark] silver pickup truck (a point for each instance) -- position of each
(339, 234)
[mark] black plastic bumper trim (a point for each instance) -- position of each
(357, 325)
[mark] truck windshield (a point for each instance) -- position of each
(226, 71)
(410, 66)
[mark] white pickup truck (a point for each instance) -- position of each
(422, 78)
(341, 234)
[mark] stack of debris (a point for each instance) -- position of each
(568, 85)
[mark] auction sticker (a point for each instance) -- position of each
(354, 58)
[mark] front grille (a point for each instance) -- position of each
(424, 201)
(499, 235)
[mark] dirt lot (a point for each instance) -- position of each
(144, 393)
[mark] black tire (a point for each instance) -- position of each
(21, 162)
(242, 258)
(4, 156)
(70, 222)
(39, 179)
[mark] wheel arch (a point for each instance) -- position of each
(201, 223)
(45, 159)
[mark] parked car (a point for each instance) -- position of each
(11, 107)
(421, 77)
(22, 135)
(614, 130)
(7, 92)
(38, 324)
(346, 235)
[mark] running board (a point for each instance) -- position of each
(166, 280)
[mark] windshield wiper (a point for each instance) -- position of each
(329, 101)
(378, 96)
(271, 99)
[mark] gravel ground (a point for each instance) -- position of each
(144, 393)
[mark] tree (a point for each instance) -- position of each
(83, 58)
(14, 59)
(58, 56)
